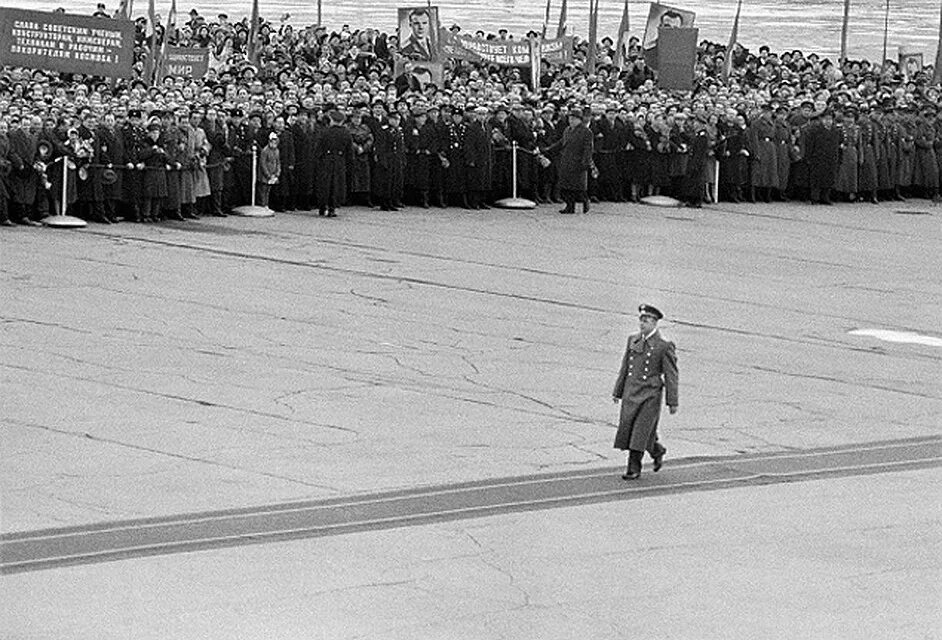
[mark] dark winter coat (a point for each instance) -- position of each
(575, 158)
(822, 153)
(333, 153)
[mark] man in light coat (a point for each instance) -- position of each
(647, 368)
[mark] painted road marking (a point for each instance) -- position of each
(898, 336)
(372, 499)
(49, 549)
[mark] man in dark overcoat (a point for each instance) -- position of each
(389, 153)
(547, 135)
(610, 141)
(24, 179)
(477, 158)
(303, 134)
(822, 153)
(648, 368)
(574, 163)
(109, 153)
(333, 153)
(693, 185)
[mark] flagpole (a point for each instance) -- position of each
(733, 36)
(319, 23)
(546, 18)
(623, 29)
(563, 18)
(149, 66)
(171, 24)
(592, 53)
(937, 71)
(844, 31)
(886, 31)
(251, 48)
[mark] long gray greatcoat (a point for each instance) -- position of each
(194, 179)
(761, 144)
(648, 367)
(575, 158)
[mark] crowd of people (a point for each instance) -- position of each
(327, 118)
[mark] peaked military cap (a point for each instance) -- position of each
(648, 310)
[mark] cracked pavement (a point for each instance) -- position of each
(153, 370)
(310, 361)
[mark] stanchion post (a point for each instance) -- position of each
(254, 169)
(253, 210)
(716, 183)
(65, 186)
(513, 165)
(61, 219)
(514, 202)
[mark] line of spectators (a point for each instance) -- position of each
(323, 104)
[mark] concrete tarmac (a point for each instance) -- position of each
(155, 370)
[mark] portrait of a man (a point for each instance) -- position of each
(418, 33)
(663, 16)
(910, 63)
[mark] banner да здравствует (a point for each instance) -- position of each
(67, 43)
(511, 53)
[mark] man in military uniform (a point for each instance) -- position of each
(648, 367)
(133, 138)
(451, 152)
(333, 152)
(762, 149)
(438, 160)
(389, 151)
(421, 147)
(240, 143)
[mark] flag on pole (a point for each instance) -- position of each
(149, 65)
(124, 10)
(171, 25)
(621, 38)
(733, 36)
(251, 49)
(844, 30)
(937, 70)
(536, 55)
(592, 54)
(546, 18)
(561, 29)
(886, 31)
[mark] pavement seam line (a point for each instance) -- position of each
(439, 492)
(131, 551)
